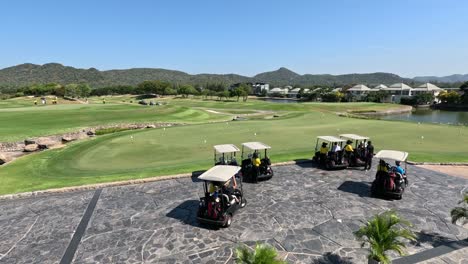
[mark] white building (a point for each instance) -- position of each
(277, 90)
(294, 92)
(359, 91)
(258, 88)
(396, 91)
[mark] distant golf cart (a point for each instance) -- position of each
(223, 197)
(225, 154)
(332, 160)
(250, 172)
(388, 181)
(357, 158)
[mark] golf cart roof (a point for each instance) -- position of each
(331, 139)
(219, 173)
(392, 154)
(226, 148)
(256, 145)
(354, 137)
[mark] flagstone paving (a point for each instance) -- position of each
(309, 215)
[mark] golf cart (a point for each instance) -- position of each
(388, 181)
(358, 157)
(332, 159)
(221, 200)
(250, 172)
(225, 154)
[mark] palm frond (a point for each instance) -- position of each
(263, 253)
(383, 232)
(465, 198)
(244, 255)
(458, 213)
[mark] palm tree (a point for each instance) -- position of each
(458, 213)
(383, 235)
(263, 254)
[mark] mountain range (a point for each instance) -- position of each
(26, 74)
(446, 79)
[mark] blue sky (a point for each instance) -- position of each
(408, 38)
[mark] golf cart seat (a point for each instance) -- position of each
(265, 162)
(228, 201)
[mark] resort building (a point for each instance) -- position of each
(358, 92)
(278, 91)
(294, 92)
(259, 88)
(396, 91)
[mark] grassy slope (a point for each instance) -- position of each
(45, 120)
(137, 154)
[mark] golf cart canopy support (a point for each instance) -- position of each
(226, 148)
(392, 154)
(220, 173)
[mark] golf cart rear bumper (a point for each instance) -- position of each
(337, 167)
(265, 176)
(210, 221)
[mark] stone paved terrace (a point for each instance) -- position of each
(306, 213)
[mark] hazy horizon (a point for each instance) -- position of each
(419, 38)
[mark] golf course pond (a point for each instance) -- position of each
(432, 116)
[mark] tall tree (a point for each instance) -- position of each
(71, 90)
(83, 90)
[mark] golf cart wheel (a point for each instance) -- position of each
(227, 220)
(243, 202)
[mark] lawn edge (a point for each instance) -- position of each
(89, 187)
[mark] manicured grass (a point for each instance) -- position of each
(21, 119)
(145, 153)
(20, 123)
(110, 130)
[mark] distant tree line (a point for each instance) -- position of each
(70, 90)
(208, 90)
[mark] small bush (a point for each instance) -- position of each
(408, 101)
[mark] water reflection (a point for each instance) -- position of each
(432, 116)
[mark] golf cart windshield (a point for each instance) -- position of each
(328, 139)
(226, 148)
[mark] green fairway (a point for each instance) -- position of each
(20, 119)
(22, 122)
(145, 153)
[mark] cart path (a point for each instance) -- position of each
(306, 213)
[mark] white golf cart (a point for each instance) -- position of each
(390, 181)
(223, 196)
(333, 159)
(357, 158)
(250, 152)
(225, 154)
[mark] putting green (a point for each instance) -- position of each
(145, 153)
